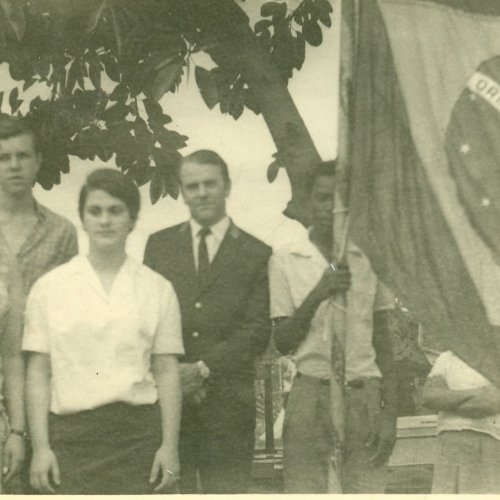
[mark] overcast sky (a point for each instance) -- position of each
(245, 144)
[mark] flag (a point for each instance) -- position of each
(425, 159)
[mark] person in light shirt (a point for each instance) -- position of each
(103, 333)
(468, 447)
(304, 285)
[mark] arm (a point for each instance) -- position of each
(384, 430)
(166, 375)
(13, 367)
(44, 462)
(437, 396)
(290, 331)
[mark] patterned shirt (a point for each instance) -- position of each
(51, 242)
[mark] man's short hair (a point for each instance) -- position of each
(11, 126)
(322, 169)
(115, 184)
(207, 157)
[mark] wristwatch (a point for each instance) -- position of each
(203, 369)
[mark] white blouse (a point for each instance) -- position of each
(100, 344)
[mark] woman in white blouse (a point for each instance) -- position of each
(103, 333)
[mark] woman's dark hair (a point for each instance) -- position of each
(115, 184)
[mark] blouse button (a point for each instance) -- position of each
(198, 305)
(196, 335)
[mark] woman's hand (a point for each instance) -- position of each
(44, 467)
(166, 468)
(13, 456)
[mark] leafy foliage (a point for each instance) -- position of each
(100, 67)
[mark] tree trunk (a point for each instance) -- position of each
(240, 49)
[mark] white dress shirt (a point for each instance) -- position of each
(100, 344)
(214, 239)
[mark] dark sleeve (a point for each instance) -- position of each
(251, 335)
(385, 358)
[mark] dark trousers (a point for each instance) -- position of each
(222, 457)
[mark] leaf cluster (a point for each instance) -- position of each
(100, 66)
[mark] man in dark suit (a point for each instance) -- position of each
(219, 273)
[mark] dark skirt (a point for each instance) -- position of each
(106, 451)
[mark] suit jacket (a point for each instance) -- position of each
(226, 323)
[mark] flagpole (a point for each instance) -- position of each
(340, 226)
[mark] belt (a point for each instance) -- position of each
(357, 383)
(322, 381)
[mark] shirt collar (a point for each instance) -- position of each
(218, 229)
(304, 247)
(41, 211)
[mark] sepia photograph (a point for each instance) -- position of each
(249, 247)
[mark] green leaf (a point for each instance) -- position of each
(272, 171)
(172, 185)
(120, 93)
(115, 113)
(299, 50)
(153, 109)
(250, 101)
(166, 78)
(19, 67)
(262, 25)
(28, 83)
(14, 102)
(95, 69)
(312, 33)
(156, 186)
(73, 75)
(236, 104)
(207, 86)
(42, 68)
(324, 9)
(111, 67)
(13, 11)
(169, 139)
(276, 9)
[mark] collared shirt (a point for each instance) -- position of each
(214, 239)
(294, 271)
(51, 242)
(100, 344)
(460, 376)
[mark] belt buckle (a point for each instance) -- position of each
(357, 383)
